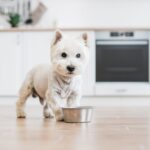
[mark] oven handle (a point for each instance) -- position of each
(100, 42)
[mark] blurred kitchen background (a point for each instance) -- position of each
(79, 13)
(119, 34)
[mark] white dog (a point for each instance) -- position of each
(58, 84)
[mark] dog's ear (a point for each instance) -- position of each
(84, 38)
(58, 36)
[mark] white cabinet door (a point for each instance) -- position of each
(89, 75)
(9, 63)
(36, 49)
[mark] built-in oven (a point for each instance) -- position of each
(122, 63)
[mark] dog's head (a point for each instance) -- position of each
(69, 56)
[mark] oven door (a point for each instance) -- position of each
(122, 61)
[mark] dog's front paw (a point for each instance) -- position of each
(21, 114)
(59, 116)
(47, 114)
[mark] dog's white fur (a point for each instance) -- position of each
(54, 84)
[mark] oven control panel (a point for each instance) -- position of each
(121, 34)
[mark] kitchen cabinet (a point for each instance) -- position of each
(36, 49)
(10, 65)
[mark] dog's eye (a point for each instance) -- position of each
(64, 55)
(78, 55)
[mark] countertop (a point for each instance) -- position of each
(39, 29)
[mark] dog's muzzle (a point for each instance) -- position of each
(70, 69)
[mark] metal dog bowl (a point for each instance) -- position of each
(78, 114)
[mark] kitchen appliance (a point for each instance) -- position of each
(122, 63)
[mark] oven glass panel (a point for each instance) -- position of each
(122, 63)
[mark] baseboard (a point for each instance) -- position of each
(93, 101)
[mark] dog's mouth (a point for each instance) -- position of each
(70, 73)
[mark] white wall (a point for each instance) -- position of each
(97, 13)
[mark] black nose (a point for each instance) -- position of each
(70, 68)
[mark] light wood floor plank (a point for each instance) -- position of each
(112, 128)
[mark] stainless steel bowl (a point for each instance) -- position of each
(78, 114)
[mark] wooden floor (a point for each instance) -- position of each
(112, 128)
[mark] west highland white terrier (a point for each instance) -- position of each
(57, 84)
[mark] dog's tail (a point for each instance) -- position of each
(35, 94)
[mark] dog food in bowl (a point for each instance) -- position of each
(78, 114)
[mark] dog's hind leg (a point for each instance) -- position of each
(24, 93)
